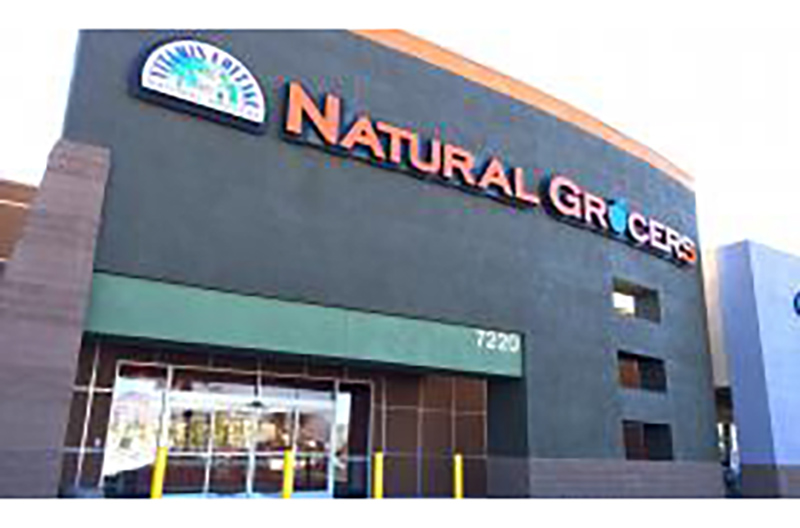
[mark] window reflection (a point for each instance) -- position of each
(341, 431)
(311, 473)
(274, 431)
(314, 431)
(233, 430)
(189, 430)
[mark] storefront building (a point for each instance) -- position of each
(754, 314)
(344, 243)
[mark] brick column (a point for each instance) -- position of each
(44, 294)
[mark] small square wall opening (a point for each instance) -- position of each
(633, 300)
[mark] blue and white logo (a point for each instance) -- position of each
(797, 303)
(204, 75)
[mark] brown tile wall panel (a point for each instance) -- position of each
(283, 365)
(437, 392)
(437, 432)
(44, 294)
(400, 476)
(246, 362)
(325, 370)
(193, 358)
(475, 478)
(139, 352)
(106, 370)
(110, 354)
(377, 388)
(470, 394)
(377, 428)
(360, 416)
(359, 374)
(77, 415)
(83, 373)
(401, 430)
(470, 434)
(402, 390)
(437, 476)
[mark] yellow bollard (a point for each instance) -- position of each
(288, 474)
(458, 476)
(377, 476)
(159, 470)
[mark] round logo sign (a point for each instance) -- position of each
(797, 303)
(204, 75)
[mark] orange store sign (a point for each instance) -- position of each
(197, 77)
(402, 149)
(387, 143)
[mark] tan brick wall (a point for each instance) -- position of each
(44, 293)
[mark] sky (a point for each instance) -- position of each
(719, 96)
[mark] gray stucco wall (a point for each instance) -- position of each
(194, 202)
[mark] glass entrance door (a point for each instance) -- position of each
(227, 434)
(233, 445)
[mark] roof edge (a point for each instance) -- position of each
(438, 56)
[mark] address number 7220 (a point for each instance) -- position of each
(498, 341)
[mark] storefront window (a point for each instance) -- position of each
(274, 430)
(189, 430)
(226, 434)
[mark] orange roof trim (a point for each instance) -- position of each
(454, 63)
